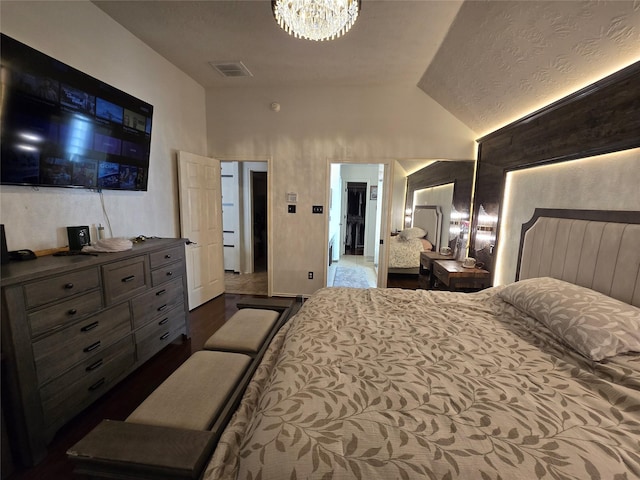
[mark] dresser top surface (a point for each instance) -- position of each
(23, 271)
(455, 268)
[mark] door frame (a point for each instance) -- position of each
(269, 161)
(385, 211)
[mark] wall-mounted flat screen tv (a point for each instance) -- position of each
(64, 128)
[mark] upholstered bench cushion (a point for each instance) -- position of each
(244, 332)
(193, 395)
(129, 450)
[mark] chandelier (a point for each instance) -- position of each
(316, 19)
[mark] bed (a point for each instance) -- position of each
(536, 379)
(424, 234)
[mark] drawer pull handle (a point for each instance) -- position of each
(161, 292)
(73, 311)
(163, 321)
(163, 337)
(163, 307)
(97, 385)
(94, 365)
(130, 278)
(91, 326)
(68, 286)
(169, 273)
(91, 347)
(168, 255)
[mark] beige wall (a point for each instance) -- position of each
(369, 124)
(81, 35)
(605, 182)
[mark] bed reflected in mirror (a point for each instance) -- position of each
(442, 189)
(423, 233)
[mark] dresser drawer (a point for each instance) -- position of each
(157, 302)
(169, 255)
(125, 279)
(64, 397)
(57, 352)
(166, 273)
(160, 332)
(60, 287)
(60, 315)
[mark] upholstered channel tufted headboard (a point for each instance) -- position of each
(429, 218)
(592, 248)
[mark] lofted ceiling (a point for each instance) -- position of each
(487, 62)
(504, 59)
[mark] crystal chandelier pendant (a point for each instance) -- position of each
(316, 19)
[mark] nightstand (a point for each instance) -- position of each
(451, 275)
(425, 275)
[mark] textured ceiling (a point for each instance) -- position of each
(504, 59)
(487, 62)
(391, 42)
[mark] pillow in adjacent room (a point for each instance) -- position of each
(594, 325)
(426, 245)
(413, 232)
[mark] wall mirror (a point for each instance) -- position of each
(443, 187)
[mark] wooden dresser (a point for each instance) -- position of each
(72, 327)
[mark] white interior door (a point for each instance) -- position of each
(201, 222)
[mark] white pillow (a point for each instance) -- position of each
(594, 325)
(413, 232)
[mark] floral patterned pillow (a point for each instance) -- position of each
(593, 324)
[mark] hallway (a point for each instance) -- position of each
(359, 263)
(246, 283)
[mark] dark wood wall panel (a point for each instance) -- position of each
(460, 173)
(601, 118)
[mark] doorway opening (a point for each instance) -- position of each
(259, 220)
(245, 226)
(356, 218)
(355, 224)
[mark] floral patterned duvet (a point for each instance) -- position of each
(404, 253)
(399, 384)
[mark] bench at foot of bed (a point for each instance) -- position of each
(245, 332)
(124, 450)
(174, 431)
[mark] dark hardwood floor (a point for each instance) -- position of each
(398, 280)
(120, 401)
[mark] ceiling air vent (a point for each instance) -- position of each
(231, 69)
